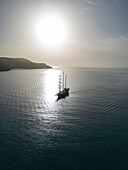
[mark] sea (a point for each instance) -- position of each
(88, 130)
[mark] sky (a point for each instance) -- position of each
(97, 32)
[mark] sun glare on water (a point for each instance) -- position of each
(52, 30)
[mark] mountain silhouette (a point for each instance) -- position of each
(23, 63)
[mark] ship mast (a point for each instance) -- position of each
(62, 81)
(59, 83)
(65, 80)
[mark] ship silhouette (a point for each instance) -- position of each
(63, 89)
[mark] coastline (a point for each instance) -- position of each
(7, 64)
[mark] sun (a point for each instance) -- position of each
(52, 30)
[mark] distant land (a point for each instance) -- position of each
(7, 64)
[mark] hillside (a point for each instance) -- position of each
(12, 63)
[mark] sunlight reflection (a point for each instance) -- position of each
(49, 108)
(51, 80)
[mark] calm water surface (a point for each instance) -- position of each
(86, 131)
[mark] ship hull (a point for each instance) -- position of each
(62, 94)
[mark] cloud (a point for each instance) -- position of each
(100, 2)
(85, 8)
(124, 38)
(89, 5)
(96, 2)
(118, 44)
(91, 2)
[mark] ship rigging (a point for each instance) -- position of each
(63, 89)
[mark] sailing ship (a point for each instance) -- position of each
(63, 89)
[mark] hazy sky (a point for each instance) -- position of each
(97, 31)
